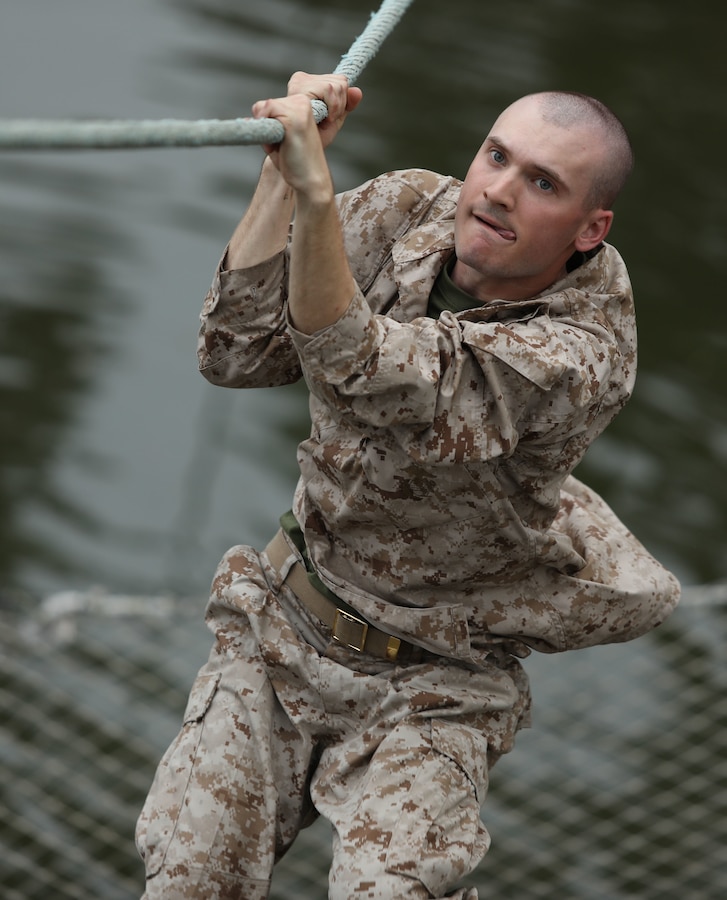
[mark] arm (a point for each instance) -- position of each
(321, 284)
(263, 231)
(465, 387)
(243, 339)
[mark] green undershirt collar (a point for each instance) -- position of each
(446, 295)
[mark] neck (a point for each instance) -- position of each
(485, 288)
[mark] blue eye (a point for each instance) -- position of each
(544, 184)
(497, 156)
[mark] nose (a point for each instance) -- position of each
(500, 188)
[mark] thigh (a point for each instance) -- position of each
(229, 794)
(408, 825)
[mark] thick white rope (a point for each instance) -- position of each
(39, 134)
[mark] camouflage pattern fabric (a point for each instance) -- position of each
(436, 494)
(436, 497)
(279, 728)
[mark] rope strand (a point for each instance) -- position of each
(39, 134)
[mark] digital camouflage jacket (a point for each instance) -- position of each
(436, 493)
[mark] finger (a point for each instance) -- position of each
(330, 89)
(317, 86)
(263, 109)
(354, 97)
(336, 96)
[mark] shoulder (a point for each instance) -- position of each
(596, 296)
(603, 273)
(403, 192)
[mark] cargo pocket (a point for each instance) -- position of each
(439, 837)
(160, 816)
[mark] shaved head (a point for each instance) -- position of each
(568, 109)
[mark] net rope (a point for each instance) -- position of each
(49, 134)
(619, 792)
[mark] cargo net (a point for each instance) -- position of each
(618, 791)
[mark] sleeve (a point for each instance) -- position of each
(466, 389)
(243, 339)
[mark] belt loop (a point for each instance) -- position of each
(281, 556)
(392, 648)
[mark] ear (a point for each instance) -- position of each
(595, 230)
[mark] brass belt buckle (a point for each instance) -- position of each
(350, 630)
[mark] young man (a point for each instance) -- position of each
(463, 344)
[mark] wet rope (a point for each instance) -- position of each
(38, 134)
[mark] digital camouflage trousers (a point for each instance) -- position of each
(284, 724)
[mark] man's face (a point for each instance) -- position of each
(522, 210)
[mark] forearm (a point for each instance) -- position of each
(321, 283)
(297, 175)
(263, 231)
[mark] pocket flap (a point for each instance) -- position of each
(467, 748)
(200, 697)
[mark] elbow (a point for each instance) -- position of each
(213, 356)
(219, 373)
(220, 359)
(248, 370)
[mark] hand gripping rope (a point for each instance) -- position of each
(36, 134)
